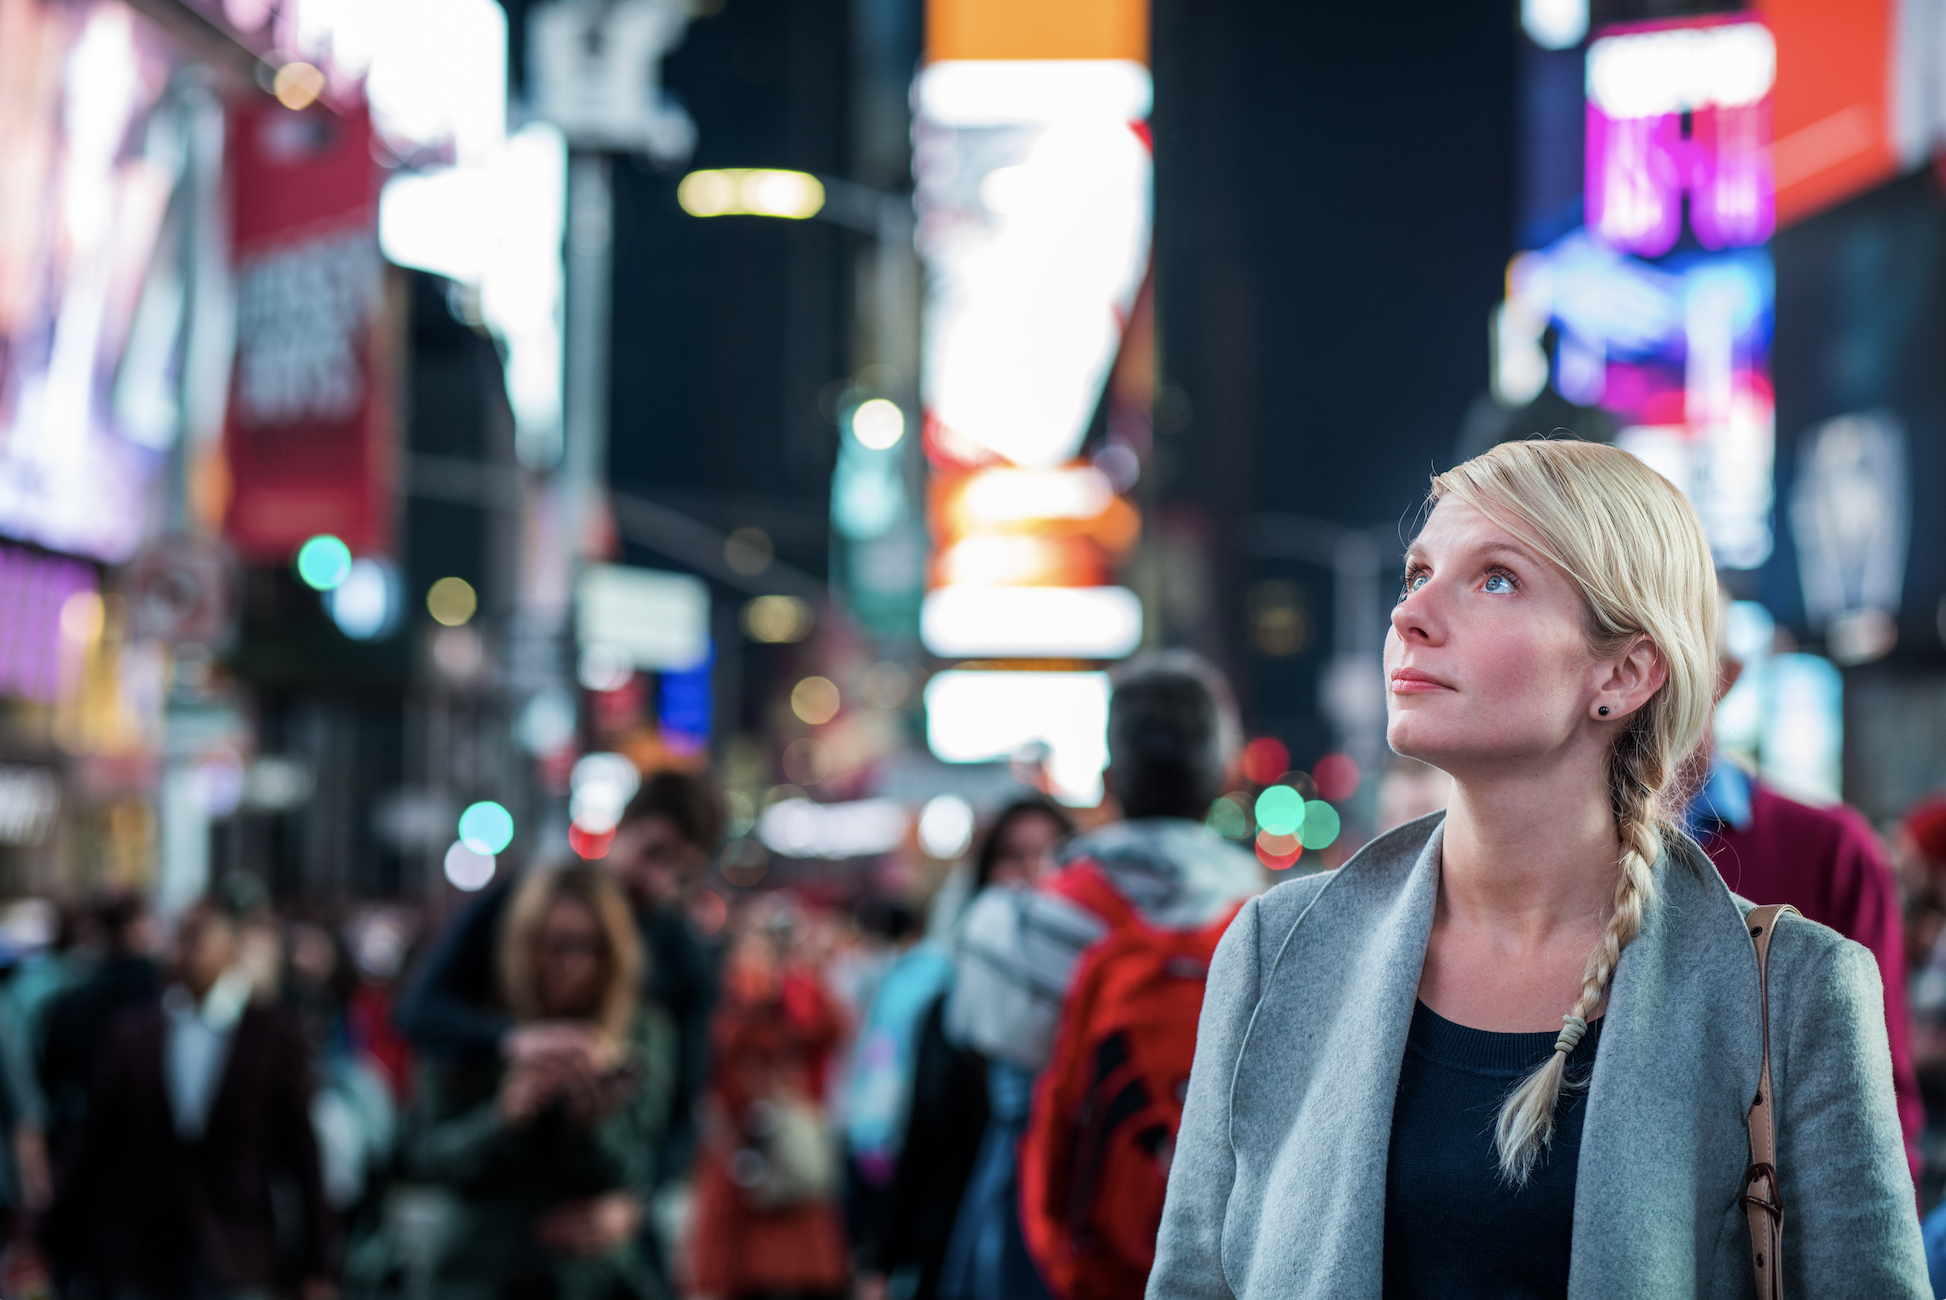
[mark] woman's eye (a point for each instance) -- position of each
(1499, 582)
(1413, 581)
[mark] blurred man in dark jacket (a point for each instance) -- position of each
(200, 1104)
(77, 1021)
(1829, 865)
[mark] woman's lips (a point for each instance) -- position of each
(1410, 681)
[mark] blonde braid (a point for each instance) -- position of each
(1636, 776)
(1633, 544)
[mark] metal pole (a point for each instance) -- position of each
(590, 286)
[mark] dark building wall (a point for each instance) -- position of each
(1334, 215)
(727, 329)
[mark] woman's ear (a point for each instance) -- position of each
(1632, 677)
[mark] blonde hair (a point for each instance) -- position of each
(621, 963)
(1634, 547)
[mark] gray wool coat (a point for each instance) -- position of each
(1278, 1185)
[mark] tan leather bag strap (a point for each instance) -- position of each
(1761, 1197)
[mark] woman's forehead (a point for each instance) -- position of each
(1458, 525)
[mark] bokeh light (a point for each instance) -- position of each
(323, 563)
(778, 620)
(365, 605)
(708, 913)
(748, 551)
(751, 192)
(806, 761)
(1320, 826)
(452, 601)
(815, 700)
(467, 868)
(1280, 810)
(1278, 852)
(1264, 759)
(590, 844)
(1228, 818)
(1336, 776)
(486, 827)
(946, 826)
(297, 84)
(878, 424)
(600, 787)
(603, 667)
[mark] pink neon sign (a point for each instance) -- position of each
(1674, 109)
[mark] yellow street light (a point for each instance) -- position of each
(751, 192)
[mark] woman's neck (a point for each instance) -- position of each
(1532, 854)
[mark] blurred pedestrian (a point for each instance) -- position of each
(1828, 863)
(1151, 880)
(665, 839)
(353, 1109)
(1553, 649)
(120, 973)
(198, 1114)
(548, 1151)
(766, 1222)
(945, 1117)
(49, 964)
(877, 1084)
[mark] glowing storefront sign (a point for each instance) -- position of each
(1033, 187)
(975, 717)
(1673, 341)
(1643, 86)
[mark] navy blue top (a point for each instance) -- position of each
(1453, 1227)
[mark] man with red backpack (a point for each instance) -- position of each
(1083, 993)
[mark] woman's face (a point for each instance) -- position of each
(1023, 849)
(1487, 662)
(569, 951)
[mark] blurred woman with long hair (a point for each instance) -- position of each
(547, 1153)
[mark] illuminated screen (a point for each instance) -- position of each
(91, 294)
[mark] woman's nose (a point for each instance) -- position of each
(1414, 618)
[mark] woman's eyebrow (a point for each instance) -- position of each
(1513, 549)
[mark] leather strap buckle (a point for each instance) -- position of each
(1773, 1204)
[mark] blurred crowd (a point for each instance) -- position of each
(622, 1078)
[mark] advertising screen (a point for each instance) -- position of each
(91, 283)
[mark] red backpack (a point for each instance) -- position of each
(1094, 1162)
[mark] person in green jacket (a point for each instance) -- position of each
(545, 1150)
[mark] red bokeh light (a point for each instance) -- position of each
(1265, 759)
(588, 844)
(1336, 776)
(1278, 852)
(708, 912)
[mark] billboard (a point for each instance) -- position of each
(309, 434)
(1659, 309)
(1034, 182)
(92, 285)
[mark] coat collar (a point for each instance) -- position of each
(1683, 998)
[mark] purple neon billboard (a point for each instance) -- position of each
(1681, 108)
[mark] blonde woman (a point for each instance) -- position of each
(547, 1153)
(1508, 1049)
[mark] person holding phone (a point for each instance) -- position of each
(546, 1149)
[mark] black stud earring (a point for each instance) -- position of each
(1603, 710)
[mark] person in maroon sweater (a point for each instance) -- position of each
(1829, 865)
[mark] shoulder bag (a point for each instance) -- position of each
(1761, 1198)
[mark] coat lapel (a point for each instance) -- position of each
(1663, 1146)
(1317, 1102)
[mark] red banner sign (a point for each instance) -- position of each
(310, 421)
